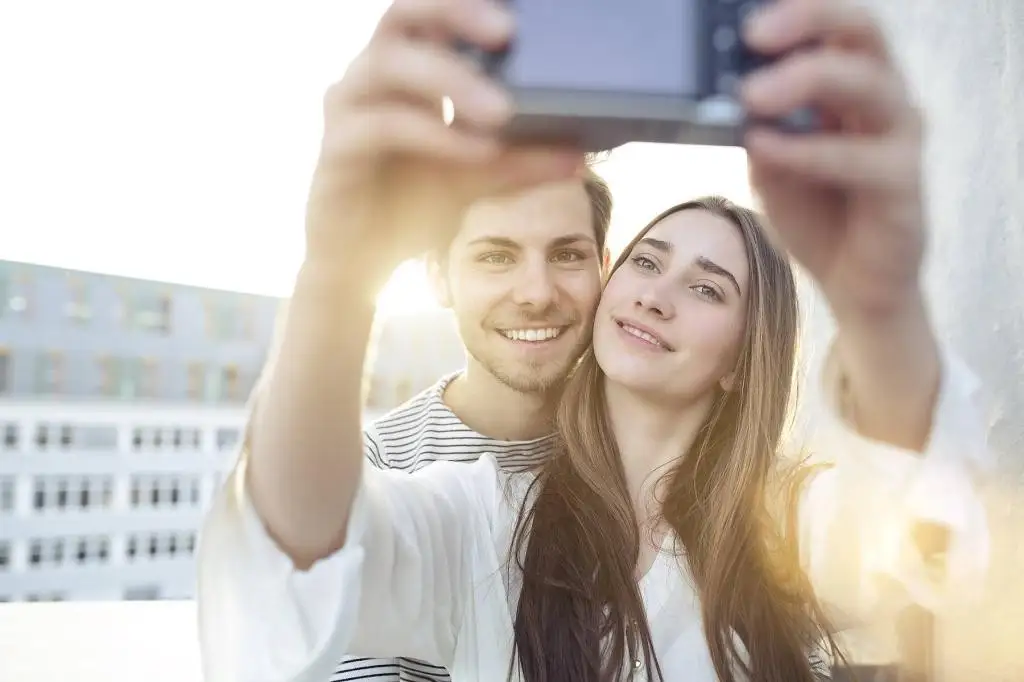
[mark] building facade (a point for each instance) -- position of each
(121, 405)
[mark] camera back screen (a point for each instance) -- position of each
(628, 46)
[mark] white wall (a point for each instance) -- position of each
(966, 60)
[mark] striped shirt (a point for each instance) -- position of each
(421, 431)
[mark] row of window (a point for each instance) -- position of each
(128, 377)
(83, 493)
(141, 306)
(166, 545)
(164, 492)
(49, 436)
(140, 593)
(94, 550)
(72, 493)
(60, 552)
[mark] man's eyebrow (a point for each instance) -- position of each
(503, 242)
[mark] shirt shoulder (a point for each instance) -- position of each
(424, 430)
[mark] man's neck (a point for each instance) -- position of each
(651, 436)
(490, 407)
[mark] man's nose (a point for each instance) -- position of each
(534, 286)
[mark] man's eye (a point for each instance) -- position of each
(495, 259)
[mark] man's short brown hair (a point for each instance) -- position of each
(600, 196)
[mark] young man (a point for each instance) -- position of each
(522, 277)
(393, 180)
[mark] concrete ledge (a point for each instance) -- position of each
(99, 642)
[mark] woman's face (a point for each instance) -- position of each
(672, 318)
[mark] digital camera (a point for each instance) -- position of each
(601, 73)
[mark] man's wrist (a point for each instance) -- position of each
(891, 367)
(341, 285)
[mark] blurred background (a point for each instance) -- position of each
(154, 161)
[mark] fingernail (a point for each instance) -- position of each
(497, 17)
(764, 23)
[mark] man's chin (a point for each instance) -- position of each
(527, 380)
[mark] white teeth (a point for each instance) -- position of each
(642, 335)
(532, 334)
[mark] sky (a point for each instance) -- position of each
(175, 141)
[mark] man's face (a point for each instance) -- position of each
(523, 278)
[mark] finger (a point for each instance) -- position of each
(404, 129)
(426, 72)
(843, 84)
(785, 25)
(838, 160)
(485, 23)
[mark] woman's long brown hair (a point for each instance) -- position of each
(580, 615)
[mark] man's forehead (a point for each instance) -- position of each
(542, 215)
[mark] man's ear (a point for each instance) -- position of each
(436, 273)
(606, 260)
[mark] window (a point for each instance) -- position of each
(230, 385)
(65, 436)
(142, 593)
(5, 370)
(44, 596)
(42, 436)
(101, 437)
(227, 438)
(110, 376)
(147, 374)
(229, 318)
(77, 308)
(15, 285)
(6, 494)
(49, 373)
(150, 311)
(196, 381)
(11, 432)
(128, 377)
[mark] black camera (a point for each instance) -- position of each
(601, 73)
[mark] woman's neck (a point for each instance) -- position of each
(651, 435)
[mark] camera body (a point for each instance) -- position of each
(601, 73)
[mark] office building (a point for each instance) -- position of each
(121, 405)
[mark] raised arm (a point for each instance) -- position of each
(860, 518)
(847, 201)
(391, 180)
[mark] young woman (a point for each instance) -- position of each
(650, 545)
(649, 542)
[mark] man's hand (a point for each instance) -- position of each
(847, 202)
(393, 177)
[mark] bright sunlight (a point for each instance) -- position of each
(191, 165)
